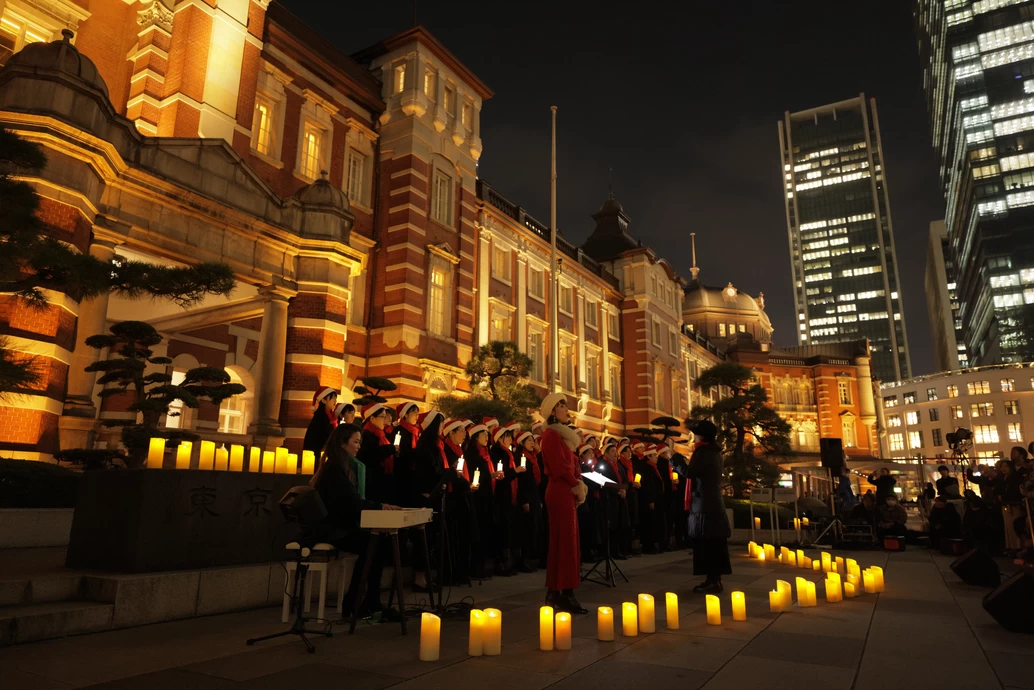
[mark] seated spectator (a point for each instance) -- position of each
(945, 522)
(891, 518)
(865, 512)
(982, 526)
(947, 485)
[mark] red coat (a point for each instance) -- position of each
(563, 569)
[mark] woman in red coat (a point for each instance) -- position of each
(564, 493)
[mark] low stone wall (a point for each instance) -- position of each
(34, 527)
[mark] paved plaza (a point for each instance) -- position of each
(926, 630)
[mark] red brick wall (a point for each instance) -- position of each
(107, 37)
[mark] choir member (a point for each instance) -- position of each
(651, 502)
(506, 501)
(460, 517)
(615, 505)
(323, 420)
(426, 474)
(530, 501)
(377, 453)
(625, 460)
(478, 458)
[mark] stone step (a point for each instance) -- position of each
(33, 622)
(40, 589)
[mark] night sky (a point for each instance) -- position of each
(683, 105)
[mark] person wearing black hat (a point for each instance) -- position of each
(707, 524)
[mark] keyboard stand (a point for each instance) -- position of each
(375, 537)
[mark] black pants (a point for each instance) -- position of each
(359, 544)
(711, 557)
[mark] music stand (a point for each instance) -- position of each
(610, 566)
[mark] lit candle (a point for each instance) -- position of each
(647, 616)
(183, 455)
(800, 558)
(807, 563)
(797, 523)
(280, 465)
(811, 593)
(854, 570)
(477, 478)
(236, 458)
(268, 462)
(459, 464)
(791, 559)
(475, 642)
(499, 466)
(816, 565)
(546, 628)
(430, 636)
(605, 624)
(714, 610)
(854, 580)
(834, 593)
(255, 459)
(222, 459)
(739, 607)
(493, 632)
(674, 477)
(563, 631)
(638, 477)
(849, 590)
(804, 521)
(785, 594)
(761, 554)
(629, 619)
(802, 591)
(155, 453)
(825, 561)
(769, 552)
(308, 462)
(869, 581)
(877, 574)
(671, 602)
(839, 563)
(292, 463)
(206, 456)
(833, 567)
(775, 601)
(757, 523)
(751, 546)
(524, 462)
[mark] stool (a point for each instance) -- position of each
(342, 588)
(314, 567)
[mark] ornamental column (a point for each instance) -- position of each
(484, 271)
(269, 381)
(522, 304)
(866, 400)
(580, 320)
(604, 366)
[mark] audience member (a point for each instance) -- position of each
(884, 483)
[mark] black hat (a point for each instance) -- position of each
(705, 429)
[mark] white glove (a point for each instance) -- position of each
(580, 491)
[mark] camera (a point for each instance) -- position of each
(958, 438)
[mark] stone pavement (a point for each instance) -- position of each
(927, 630)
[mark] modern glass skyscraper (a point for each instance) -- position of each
(978, 72)
(841, 239)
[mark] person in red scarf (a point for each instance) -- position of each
(323, 422)
(506, 471)
(408, 485)
(408, 416)
(651, 503)
(378, 454)
(625, 460)
(425, 476)
(479, 461)
(564, 493)
(460, 517)
(677, 504)
(708, 524)
(615, 502)
(529, 500)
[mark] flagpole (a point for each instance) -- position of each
(554, 287)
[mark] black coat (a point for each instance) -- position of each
(707, 517)
(341, 499)
(380, 485)
(527, 488)
(884, 485)
(318, 432)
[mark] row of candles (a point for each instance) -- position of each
(797, 523)
(279, 461)
(843, 577)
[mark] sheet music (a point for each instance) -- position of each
(597, 478)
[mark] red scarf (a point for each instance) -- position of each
(655, 470)
(459, 454)
(331, 416)
(612, 468)
(483, 452)
(389, 461)
(535, 471)
(627, 464)
(513, 484)
(413, 429)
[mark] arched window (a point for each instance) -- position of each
(180, 416)
(235, 412)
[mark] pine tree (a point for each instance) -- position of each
(33, 261)
(748, 428)
(499, 375)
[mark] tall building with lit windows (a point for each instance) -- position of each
(978, 72)
(942, 302)
(841, 237)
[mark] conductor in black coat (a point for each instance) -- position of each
(708, 524)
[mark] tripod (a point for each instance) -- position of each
(298, 627)
(610, 567)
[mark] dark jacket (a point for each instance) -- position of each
(341, 500)
(948, 486)
(884, 485)
(707, 516)
(380, 485)
(318, 432)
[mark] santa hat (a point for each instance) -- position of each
(450, 425)
(537, 427)
(372, 409)
(524, 436)
(650, 450)
(583, 448)
(402, 409)
(501, 431)
(609, 443)
(639, 447)
(426, 419)
(321, 392)
(664, 451)
(476, 429)
(514, 427)
(623, 444)
(590, 437)
(490, 422)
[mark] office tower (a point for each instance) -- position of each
(978, 72)
(942, 302)
(841, 238)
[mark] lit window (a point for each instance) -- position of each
(592, 314)
(16, 32)
(263, 127)
(356, 163)
(500, 324)
(1015, 432)
(400, 78)
(567, 366)
(955, 411)
(897, 442)
(953, 391)
(592, 374)
(429, 82)
(915, 439)
(566, 303)
(890, 401)
(438, 299)
(984, 409)
(978, 387)
(844, 392)
(909, 398)
(312, 144)
(1011, 407)
(931, 393)
(537, 353)
(613, 326)
(448, 97)
(721, 330)
(848, 431)
(912, 418)
(537, 283)
(985, 433)
(1008, 385)
(894, 420)
(465, 114)
(235, 411)
(501, 264)
(441, 201)
(658, 390)
(615, 384)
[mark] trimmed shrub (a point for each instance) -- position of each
(29, 484)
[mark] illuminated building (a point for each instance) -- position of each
(943, 303)
(977, 62)
(838, 216)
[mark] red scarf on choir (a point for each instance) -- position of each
(530, 461)
(483, 452)
(331, 416)
(656, 471)
(413, 429)
(459, 454)
(627, 464)
(513, 484)
(388, 462)
(613, 469)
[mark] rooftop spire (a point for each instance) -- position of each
(610, 181)
(694, 271)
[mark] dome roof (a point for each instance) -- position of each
(322, 193)
(700, 296)
(611, 205)
(60, 56)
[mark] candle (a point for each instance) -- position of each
(674, 477)
(459, 464)
(629, 620)
(563, 631)
(222, 459)
(236, 458)
(800, 558)
(802, 591)
(183, 455)
(524, 462)
(761, 554)
(308, 462)
(206, 456)
(292, 463)
(804, 521)
(869, 581)
(493, 632)
(255, 459)
(797, 524)
(499, 466)
(833, 592)
(833, 567)
(739, 607)
(877, 574)
(853, 579)
(477, 478)
(811, 593)
(839, 565)
(825, 561)
(637, 478)
(785, 594)
(757, 523)
(155, 453)
(546, 628)
(647, 616)
(751, 546)
(769, 552)
(671, 603)
(280, 464)
(475, 641)
(791, 559)
(430, 636)
(849, 590)
(851, 564)
(775, 601)
(268, 462)
(816, 565)
(714, 610)
(605, 624)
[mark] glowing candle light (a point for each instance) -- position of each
(811, 593)
(459, 464)
(268, 462)
(775, 601)
(308, 462)
(493, 632)
(791, 559)
(236, 458)
(854, 580)
(674, 477)
(757, 523)
(785, 594)
(761, 555)
(869, 581)
(430, 636)
(647, 617)
(638, 478)
(476, 481)
(739, 607)
(816, 565)
(849, 590)
(714, 610)
(834, 593)
(877, 575)
(751, 547)
(475, 640)
(563, 631)
(291, 464)
(206, 456)
(255, 459)
(671, 602)
(499, 466)
(826, 560)
(851, 564)
(155, 453)
(629, 620)
(183, 455)
(804, 521)
(280, 465)
(605, 624)
(838, 562)
(802, 591)
(524, 462)
(222, 459)
(546, 628)
(769, 552)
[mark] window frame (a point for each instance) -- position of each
(592, 309)
(844, 393)
(442, 190)
(565, 299)
(538, 372)
(447, 268)
(537, 278)
(356, 195)
(502, 263)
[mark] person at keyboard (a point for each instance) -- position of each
(339, 484)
